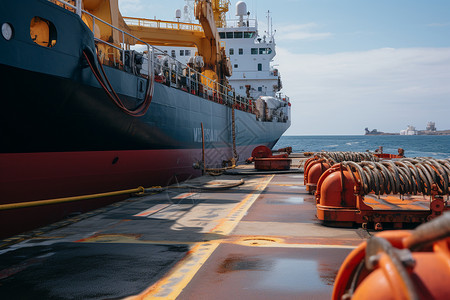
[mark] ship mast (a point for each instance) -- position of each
(220, 8)
(269, 27)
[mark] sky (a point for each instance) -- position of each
(351, 64)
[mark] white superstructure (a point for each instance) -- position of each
(250, 55)
(410, 130)
(431, 126)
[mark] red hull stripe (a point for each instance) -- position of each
(37, 176)
(42, 176)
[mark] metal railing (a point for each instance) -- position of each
(251, 23)
(160, 66)
(121, 47)
(173, 73)
(162, 24)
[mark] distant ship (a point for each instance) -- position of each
(376, 132)
(411, 130)
(85, 111)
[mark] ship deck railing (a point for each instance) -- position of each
(247, 23)
(175, 74)
(160, 24)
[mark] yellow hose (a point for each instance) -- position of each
(69, 199)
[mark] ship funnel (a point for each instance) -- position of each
(241, 11)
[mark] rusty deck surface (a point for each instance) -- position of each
(406, 202)
(260, 240)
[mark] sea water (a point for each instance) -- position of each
(415, 145)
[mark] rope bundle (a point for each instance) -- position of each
(337, 157)
(405, 176)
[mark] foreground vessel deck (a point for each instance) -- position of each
(258, 240)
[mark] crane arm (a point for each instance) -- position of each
(204, 13)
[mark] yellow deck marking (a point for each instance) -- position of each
(178, 278)
(184, 195)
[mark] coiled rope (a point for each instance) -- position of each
(337, 157)
(405, 176)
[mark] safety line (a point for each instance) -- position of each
(179, 277)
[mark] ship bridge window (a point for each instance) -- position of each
(265, 50)
(259, 67)
(187, 52)
(181, 52)
(238, 35)
(241, 51)
(222, 35)
(43, 32)
(229, 35)
(173, 54)
(248, 35)
(231, 51)
(254, 51)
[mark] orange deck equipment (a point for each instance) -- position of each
(399, 265)
(264, 160)
(321, 161)
(383, 193)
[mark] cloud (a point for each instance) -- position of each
(386, 88)
(301, 32)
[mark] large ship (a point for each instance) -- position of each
(90, 105)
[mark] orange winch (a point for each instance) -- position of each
(387, 192)
(321, 161)
(264, 159)
(399, 265)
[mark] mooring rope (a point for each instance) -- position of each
(404, 176)
(340, 156)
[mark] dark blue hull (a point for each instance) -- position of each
(56, 117)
